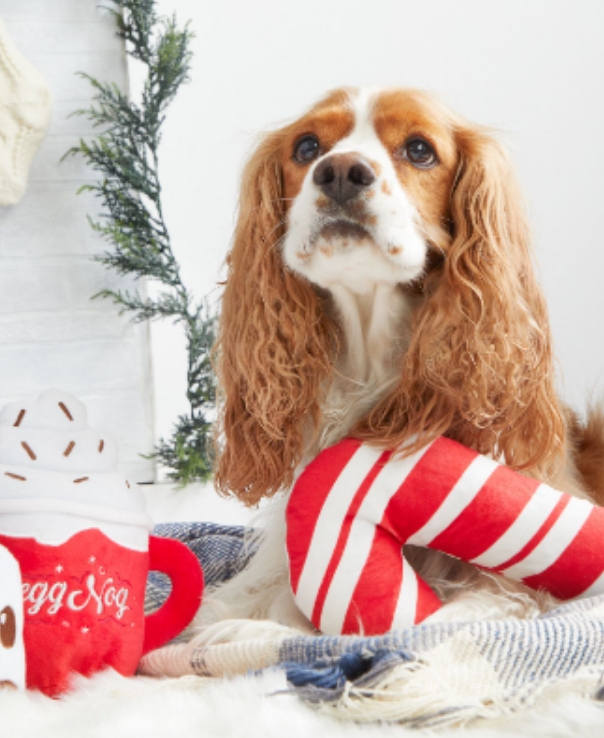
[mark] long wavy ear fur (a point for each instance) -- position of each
(273, 345)
(480, 367)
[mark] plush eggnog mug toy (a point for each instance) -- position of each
(354, 506)
(80, 533)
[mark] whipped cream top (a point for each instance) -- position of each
(49, 454)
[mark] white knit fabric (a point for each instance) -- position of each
(25, 108)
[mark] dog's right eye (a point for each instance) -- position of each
(306, 149)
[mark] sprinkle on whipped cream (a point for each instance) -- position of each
(65, 409)
(29, 451)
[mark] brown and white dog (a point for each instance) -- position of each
(381, 285)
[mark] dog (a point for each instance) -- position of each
(381, 286)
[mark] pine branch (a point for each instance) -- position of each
(188, 453)
(164, 306)
(125, 154)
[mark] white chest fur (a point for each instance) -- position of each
(376, 326)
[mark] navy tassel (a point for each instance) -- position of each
(334, 675)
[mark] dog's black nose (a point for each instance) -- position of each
(343, 176)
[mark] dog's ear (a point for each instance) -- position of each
(273, 344)
(479, 366)
(500, 365)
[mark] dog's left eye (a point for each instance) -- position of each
(306, 149)
(420, 153)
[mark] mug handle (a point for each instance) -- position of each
(180, 564)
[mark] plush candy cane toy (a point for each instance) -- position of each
(354, 507)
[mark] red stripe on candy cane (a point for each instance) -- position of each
(344, 533)
(532, 516)
(580, 564)
(389, 594)
(423, 492)
(362, 539)
(328, 525)
(468, 536)
(537, 538)
(305, 504)
(467, 487)
(555, 542)
(375, 596)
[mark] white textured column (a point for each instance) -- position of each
(51, 333)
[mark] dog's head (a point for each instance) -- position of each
(367, 188)
(367, 179)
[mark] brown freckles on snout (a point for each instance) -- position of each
(357, 209)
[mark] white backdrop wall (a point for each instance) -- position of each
(51, 333)
(534, 70)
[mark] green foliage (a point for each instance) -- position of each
(188, 452)
(125, 153)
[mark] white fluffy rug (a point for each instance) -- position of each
(110, 706)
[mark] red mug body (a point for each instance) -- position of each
(83, 602)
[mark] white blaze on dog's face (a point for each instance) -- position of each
(367, 177)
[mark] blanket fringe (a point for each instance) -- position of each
(416, 695)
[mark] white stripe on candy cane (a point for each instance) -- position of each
(346, 578)
(387, 484)
(329, 525)
(463, 493)
(406, 606)
(555, 542)
(360, 540)
(523, 529)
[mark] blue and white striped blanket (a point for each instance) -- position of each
(431, 674)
